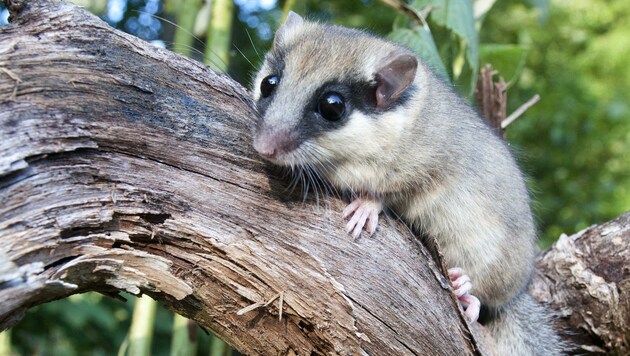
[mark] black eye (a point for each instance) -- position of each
(268, 85)
(331, 106)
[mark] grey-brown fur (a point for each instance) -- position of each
(428, 156)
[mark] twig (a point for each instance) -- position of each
(492, 97)
(280, 306)
(418, 16)
(262, 303)
(272, 299)
(249, 308)
(518, 112)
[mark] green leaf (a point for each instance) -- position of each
(420, 4)
(401, 21)
(508, 59)
(458, 16)
(420, 41)
(481, 8)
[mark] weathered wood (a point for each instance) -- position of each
(127, 167)
(586, 279)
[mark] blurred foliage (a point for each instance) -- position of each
(574, 144)
(91, 324)
(53, 328)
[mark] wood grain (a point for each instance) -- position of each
(127, 167)
(585, 277)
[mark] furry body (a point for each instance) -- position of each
(408, 142)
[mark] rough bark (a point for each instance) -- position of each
(585, 278)
(127, 167)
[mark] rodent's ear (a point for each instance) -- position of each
(292, 22)
(394, 74)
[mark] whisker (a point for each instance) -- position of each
(324, 184)
(188, 32)
(314, 183)
(311, 162)
(329, 167)
(174, 46)
(320, 183)
(305, 185)
(244, 56)
(253, 46)
(295, 175)
(171, 23)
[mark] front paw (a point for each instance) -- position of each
(363, 210)
(461, 286)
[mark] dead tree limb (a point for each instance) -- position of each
(125, 167)
(585, 278)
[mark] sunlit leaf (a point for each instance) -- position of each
(481, 7)
(506, 58)
(457, 16)
(421, 42)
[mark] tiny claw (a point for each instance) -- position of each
(373, 219)
(473, 308)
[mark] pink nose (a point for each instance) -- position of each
(269, 153)
(264, 145)
(273, 144)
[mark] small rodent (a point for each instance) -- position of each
(371, 118)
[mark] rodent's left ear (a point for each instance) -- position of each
(394, 74)
(292, 22)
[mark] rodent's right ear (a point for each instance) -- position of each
(394, 74)
(292, 22)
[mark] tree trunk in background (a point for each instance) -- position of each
(218, 40)
(184, 38)
(127, 167)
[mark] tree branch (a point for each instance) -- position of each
(126, 167)
(585, 278)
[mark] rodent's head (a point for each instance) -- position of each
(323, 90)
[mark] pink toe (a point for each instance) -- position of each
(455, 272)
(373, 223)
(473, 308)
(363, 215)
(460, 281)
(463, 289)
(351, 208)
